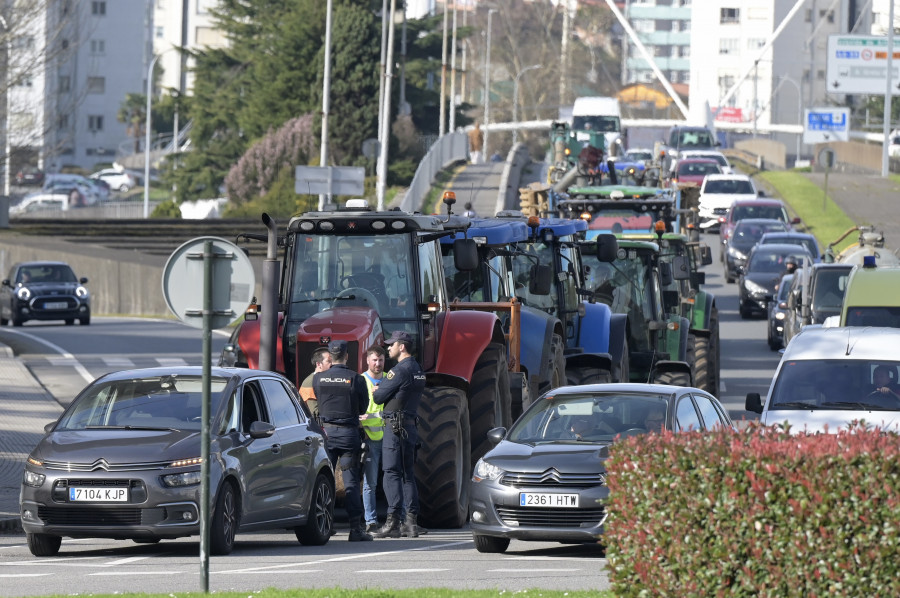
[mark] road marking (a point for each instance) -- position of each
(82, 371)
(118, 362)
(267, 572)
(401, 570)
(3, 575)
(110, 573)
(172, 362)
(125, 561)
(532, 570)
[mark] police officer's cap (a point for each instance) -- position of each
(337, 347)
(399, 335)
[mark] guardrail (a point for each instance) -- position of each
(446, 150)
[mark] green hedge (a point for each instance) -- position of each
(755, 513)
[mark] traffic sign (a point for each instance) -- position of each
(233, 282)
(330, 180)
(821, 125)
(858, 64)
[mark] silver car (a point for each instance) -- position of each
(124, 461)
(546, 478)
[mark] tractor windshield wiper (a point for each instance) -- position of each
(795, 405)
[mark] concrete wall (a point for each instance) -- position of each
(772, 152)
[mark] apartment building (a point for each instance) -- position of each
(182, 23)
(664, 28)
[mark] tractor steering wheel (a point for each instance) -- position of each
(361, 297)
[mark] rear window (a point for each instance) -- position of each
(731, 186)
(874, 316)
(769, 212)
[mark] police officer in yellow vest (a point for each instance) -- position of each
(373, 425)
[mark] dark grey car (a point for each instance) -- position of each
(546, 478)
(44, 291)
(124, 461)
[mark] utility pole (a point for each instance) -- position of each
(443, 110)
(487, 81)
(453, 75)
(564, 55)
(326, 97)
(385, 117)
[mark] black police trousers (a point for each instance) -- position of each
(398, 456)
(343, 446)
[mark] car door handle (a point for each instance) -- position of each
(276, 448)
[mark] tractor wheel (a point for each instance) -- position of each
(672, 378)
(578, 376)
(556, 368)
(714, 360)
(702, 364)
(489, 398)
(622, 370)
(443, 461)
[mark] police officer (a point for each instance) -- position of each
(342, 397)
(400, 392)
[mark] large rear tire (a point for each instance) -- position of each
(672, 378)
(622, 370)
(320, 520)
(556, 369)
(578, 376)
(714, 361)
(702, 364)
(490, 401)
(443, 462)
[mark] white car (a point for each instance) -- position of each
(894, 144)
(831, 377)
(718, 192)
(116, 179)
(40, 202)
(718, 156)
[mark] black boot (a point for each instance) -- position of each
(390, 529)
(409, 528)
(357, 532)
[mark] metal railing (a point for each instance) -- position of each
(446, 150)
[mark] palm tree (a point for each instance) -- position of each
(133, 113)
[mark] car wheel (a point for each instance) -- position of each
(70, 321)
(320, 520)
(124, 188)
(17, 321)
(85, 320)
(146, 540)
(43, 544)
(490, 543)
(4, 321)
(224, 521)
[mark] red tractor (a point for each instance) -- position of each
(359, 275)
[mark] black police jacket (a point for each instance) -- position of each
(342, 395)
(401, 388)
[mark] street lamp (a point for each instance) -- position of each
(799, 110)
(515, 137)
(487, 81)
(147, 132)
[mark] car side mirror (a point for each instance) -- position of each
(705, 255)
(680, 268)
(698, 278)
(795, 221)
(540, 279)
(782, 305)
(6, 282)
(260, 429)
(760, 193)
(753, 402)
(495, 435)
(49, 427)
(465, 255)
(83, 280)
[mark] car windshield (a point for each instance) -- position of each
(873, 316)
(829, 288)
(695, 139)
(158, 403)
(746, 236)
(51, 273)
(730, 186)
(589, 417)
(604, 124)
(698, 168)
(768, 261)
(807, 242)
(837, 384)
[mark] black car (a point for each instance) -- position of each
(30, 177)
(778, 311)
(545, 480)
(746, 234)
(124, 461)
(44, 291)
(765, 266)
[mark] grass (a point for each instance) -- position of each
(438, 186)
(827, 222)
(373, 593)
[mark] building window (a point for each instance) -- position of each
(729, 15)
(65, 44)
(728, 45)
(98, 46)
(805, 75)
(23, 42)
(160, 32)
(95, 123)
(820, 74)
(96, 84)
(24, 81)
(828, 15)
(98, 8)
(685, 51)
(808, 15)
(62, 122)
(65, 84)
(755, 43)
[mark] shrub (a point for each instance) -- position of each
(166, 209)
(755, 514)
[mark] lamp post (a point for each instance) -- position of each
(326, 100)
(799, 110)
(147, 121)
(515, 137)
(487, 81)
(7, 167)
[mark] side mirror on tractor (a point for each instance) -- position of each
(607, 247)
(540, 279)
(465, 255)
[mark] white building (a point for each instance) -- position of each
(664, 28)
(178, 23)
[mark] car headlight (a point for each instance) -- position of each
(485, 471)
(33, 479)
(754, 288)
(81, 292)
(779, 315)
(176, 480)
(736, 253)
(23, 293)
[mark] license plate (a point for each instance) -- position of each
(56, 305)
(543, 499)
(98, 494)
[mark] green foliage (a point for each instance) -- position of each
(166, 209)
(401, 172)
(757, 513)
(279, 201)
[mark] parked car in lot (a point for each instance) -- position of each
(797, 238)
(694, 170)
(717, 194)
(778, 310)
(545, 480)
(30, 176)
(123, 461)
(760, 277)
(92, 192)
(773, 209)
(116, 179)
(829, 378)
(44, 291)
(39, 202)
(744, 237)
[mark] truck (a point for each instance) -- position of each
(594, 131)
(358, 275)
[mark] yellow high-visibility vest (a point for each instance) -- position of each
(373, 425)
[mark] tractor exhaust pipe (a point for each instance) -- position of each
(268, 323)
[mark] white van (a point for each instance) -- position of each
(601, 114)
(40, 203)
(832, 377)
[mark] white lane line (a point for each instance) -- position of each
(132, 559)
(529, 570)
(82, 371)
(351, 557)
(3, 576)
(280, 571)
(116, 362)
(111, 573)
(401, 570)
(170, 361)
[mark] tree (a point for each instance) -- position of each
(133, 112)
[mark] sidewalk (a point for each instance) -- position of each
(25, 408)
